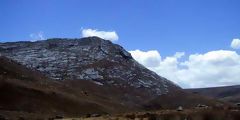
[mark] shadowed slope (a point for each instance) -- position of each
(228, 93)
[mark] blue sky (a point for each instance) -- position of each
(165, 26)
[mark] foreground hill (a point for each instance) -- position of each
(228, 93)
(25, 91)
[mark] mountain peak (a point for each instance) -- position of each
(91, 58)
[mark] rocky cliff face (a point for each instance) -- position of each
(92, 58)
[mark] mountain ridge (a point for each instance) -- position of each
(91, 58)
(229, 94)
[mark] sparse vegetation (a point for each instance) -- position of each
(190, 114)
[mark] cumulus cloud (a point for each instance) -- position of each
(107, 35)
(37, 36)
(235, 44)
(149, 59)
(214, 68)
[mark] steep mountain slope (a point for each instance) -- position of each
(93, 58)
(228, 93)
(26, 91)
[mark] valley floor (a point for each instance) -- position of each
(186, 114)
(190, 114)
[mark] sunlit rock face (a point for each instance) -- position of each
(91, 58)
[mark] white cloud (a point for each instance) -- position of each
(214, 68)
(235, 44)
(107, 35)
(37, 36)
(149, 59)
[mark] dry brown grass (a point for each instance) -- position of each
(172, 115)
